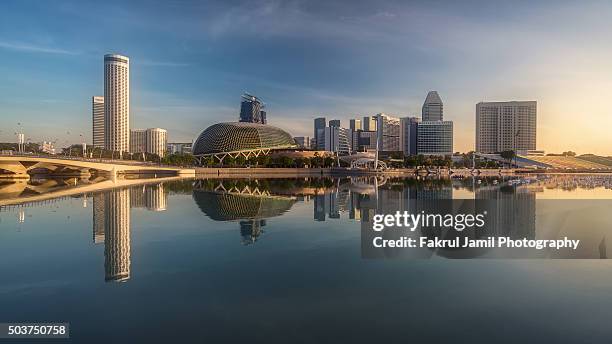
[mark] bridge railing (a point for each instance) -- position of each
(93, 160)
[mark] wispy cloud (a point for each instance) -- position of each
(33, 48)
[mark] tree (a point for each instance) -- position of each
(569, 153)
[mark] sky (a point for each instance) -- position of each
(191, 60)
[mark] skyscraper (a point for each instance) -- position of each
(337, 140)
(138, 141)
(334, 123)
(116, 103)
(432, 107)
(369, 123)
(156, 141)
(503, 126)
(388, 133)
(409, 135)
(319, 133)
(251, 109)
(435, 138)
(355, 124)
(97, 116)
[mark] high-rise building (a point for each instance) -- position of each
(355, 124)
(152, 140)
(369, 123)
(337, 140)
(432, 107)
(156, 141)
(388, 133)
(409, 135)
(251, 109)
(116, 103)
(179, 147)
(138, 141)
(334, 123)
(503, 126)
(303, 141)
(319, 132)
(435, 138)
(97, 117)
(364, 141)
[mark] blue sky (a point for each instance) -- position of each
(191, 60)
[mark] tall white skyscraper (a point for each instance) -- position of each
(97, 116)
(503, 126)
(116, 103)
(433, 109)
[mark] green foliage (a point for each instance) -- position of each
(508, 155)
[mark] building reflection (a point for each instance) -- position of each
(249, 203)
(117, 235)
(111, 224)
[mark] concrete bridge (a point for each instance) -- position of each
(21, 166)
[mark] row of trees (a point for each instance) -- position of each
(268, 161)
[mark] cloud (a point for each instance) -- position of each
(32, 48)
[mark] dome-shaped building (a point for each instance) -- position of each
(235, 138)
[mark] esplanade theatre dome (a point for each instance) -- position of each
(241, 136)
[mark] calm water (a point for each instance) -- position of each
(280, 261)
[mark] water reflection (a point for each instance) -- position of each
(251, 203)
(248, 202)
(111, 223)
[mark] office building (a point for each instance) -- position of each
(319, 133)
(369, 123)
(251, 109)
(355, 124)
(337, 140)
(388, 133)
(435, 138)
(156, 141)
(152, 140)
(334, 123)
(138, 141)
(409, 135)
(116, 103)
(432, 107)
(303, 142)
(503, 126)
(97, 119)
(179, 148)
(364, 140)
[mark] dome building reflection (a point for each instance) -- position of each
(248, 205)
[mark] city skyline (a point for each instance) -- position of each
(307, 61)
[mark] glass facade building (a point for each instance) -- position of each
(435, 138)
